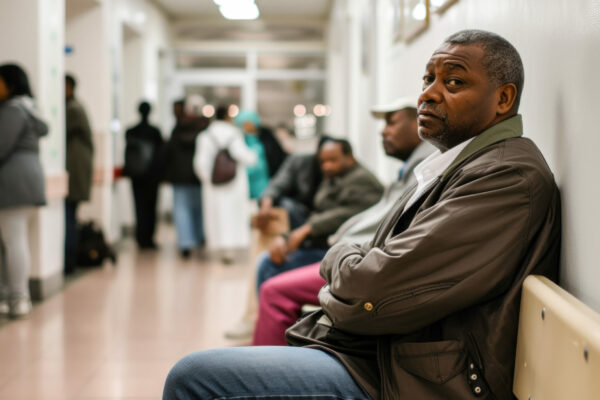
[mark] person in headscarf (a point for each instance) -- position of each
(270, 153)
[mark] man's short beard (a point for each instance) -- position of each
(447, 138)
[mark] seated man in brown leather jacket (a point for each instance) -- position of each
(429, 308)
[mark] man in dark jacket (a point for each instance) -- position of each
(347, 189)
(179, 171)
(429, 308)
(144, 164)
(80, 153)
(293, 188)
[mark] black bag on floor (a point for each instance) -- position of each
(92, 248)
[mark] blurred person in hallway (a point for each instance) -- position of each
(80, 153)
(143, 165)
(22, 185)
(179, 171)
(226, 207)
(262, 141)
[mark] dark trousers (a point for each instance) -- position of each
(70, 236)
(145, 194)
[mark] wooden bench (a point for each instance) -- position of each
(558, 345)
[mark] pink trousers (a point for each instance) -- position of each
(280, 301)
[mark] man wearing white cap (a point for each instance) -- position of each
(282, 296)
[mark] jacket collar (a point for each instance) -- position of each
(509, 128)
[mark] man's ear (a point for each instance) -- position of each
(507, 95)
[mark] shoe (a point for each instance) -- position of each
(148, 246)
(4, 307)
(185, 253)
(240, 331)
(20, 307)
(227, 257)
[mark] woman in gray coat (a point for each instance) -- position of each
(21, 185)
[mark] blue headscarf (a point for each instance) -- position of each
(244, 116)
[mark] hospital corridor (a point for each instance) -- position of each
(300, 200)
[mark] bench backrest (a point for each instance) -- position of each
(558, 345)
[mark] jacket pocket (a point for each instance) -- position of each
(430, 370)
(435, 362)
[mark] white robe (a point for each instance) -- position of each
(225, 207)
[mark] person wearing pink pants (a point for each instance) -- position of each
(281, 299)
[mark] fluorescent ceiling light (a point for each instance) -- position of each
(238, 9)
(419, 12)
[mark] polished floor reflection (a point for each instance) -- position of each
(114, 333)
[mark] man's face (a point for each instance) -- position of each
(178, 110)
(249, 127)
(400, 134)
(332, 160)
(68, 90)
(458, 100)
(4, 92)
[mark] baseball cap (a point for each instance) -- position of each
(380, 110)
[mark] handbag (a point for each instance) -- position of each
(224, 166)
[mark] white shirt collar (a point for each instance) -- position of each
(433, 166)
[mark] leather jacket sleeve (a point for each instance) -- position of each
(445, 260)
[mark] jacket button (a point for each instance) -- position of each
(473, 377)
(368, 306)
(477, 390)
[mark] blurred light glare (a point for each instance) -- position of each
(319, 110)
(238, 9)
(419, 12)
(233, 111)
(208, 111)
(327, 110)
(299, 110)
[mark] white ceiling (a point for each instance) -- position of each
(268, 8)
(280, 20)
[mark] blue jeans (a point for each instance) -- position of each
(187, 215)
(263, 372)
(299, 258)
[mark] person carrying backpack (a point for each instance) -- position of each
(143, 165)
(226, 207)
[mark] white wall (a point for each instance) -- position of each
(355, 31)
(559, 42)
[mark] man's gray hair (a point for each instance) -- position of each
(501, 60)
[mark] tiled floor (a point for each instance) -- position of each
(114, 333)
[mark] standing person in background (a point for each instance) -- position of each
(143, 164)
(21, 185)
(187, 191)
(226, 207)
(262, 141)
(80, 153)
